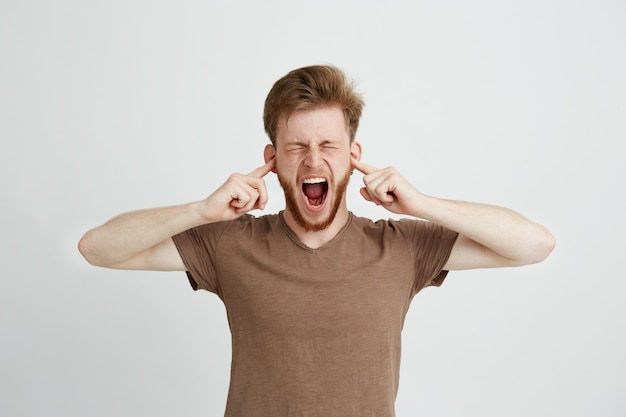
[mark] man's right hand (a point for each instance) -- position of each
(238, 195)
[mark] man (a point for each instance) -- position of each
(316, 297)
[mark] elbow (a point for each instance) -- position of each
(544, 245)
(87, 248)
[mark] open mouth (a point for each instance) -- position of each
(315, 190)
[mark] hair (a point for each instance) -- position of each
(308, 88)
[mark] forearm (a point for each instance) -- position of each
(489, 236)
(504, 231)
(130, 234)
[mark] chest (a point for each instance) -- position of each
(343, 289)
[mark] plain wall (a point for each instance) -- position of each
(107, 107)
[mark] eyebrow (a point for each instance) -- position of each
(300, 143)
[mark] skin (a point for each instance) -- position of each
(315, 144)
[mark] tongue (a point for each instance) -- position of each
(313, 191)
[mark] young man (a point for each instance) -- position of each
(316, 297)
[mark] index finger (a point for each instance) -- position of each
(262, 171)
(363, 167)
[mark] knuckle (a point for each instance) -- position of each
(234, 178)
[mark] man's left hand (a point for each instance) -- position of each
(386, 187)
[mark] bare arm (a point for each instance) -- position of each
(140, 239)
(143, 239)
(489, 236)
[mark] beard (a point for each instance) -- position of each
(291, 204)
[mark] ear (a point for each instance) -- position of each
(269, 153)
(355, 150)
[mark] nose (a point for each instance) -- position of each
(313, 157)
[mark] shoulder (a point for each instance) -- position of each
(263, 223)
(381, 229)
(405, 228)
(387, 225)
(246, 224)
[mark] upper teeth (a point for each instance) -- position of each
(314, 180)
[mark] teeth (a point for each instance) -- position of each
(314, 180)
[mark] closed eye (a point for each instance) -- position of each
(296, 148)
(329, 146)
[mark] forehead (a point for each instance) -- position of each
(318, 124)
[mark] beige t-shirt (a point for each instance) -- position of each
(315, 332)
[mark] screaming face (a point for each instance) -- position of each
(313, 164)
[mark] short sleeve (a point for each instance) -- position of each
(433, 245)
(197, 248)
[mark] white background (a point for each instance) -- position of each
(111, 106)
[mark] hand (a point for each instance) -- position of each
(238, 195)
(387, 188)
